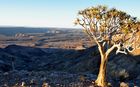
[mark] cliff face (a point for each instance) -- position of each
(88, 60)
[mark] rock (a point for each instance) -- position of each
(5, 85)
(45, 84)
(136, 86)
(5, 74)
(23, 84)
(122, 84)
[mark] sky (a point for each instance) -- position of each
(55, 13)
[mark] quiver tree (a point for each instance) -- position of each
(110, 29)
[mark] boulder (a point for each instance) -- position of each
(122, 84)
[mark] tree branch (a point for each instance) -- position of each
(111, 49)
(119, 49)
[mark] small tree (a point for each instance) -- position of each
(110, 29)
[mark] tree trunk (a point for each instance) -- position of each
(101, 79)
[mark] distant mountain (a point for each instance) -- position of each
(14, 30)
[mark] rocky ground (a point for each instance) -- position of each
(53, 79)
(56, 67)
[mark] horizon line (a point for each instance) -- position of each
(12, 26)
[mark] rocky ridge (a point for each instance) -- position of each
(20, 58)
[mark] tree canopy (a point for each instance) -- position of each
(110, 26)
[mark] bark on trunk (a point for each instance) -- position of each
(101, 79)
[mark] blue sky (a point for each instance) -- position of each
(55, 13)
